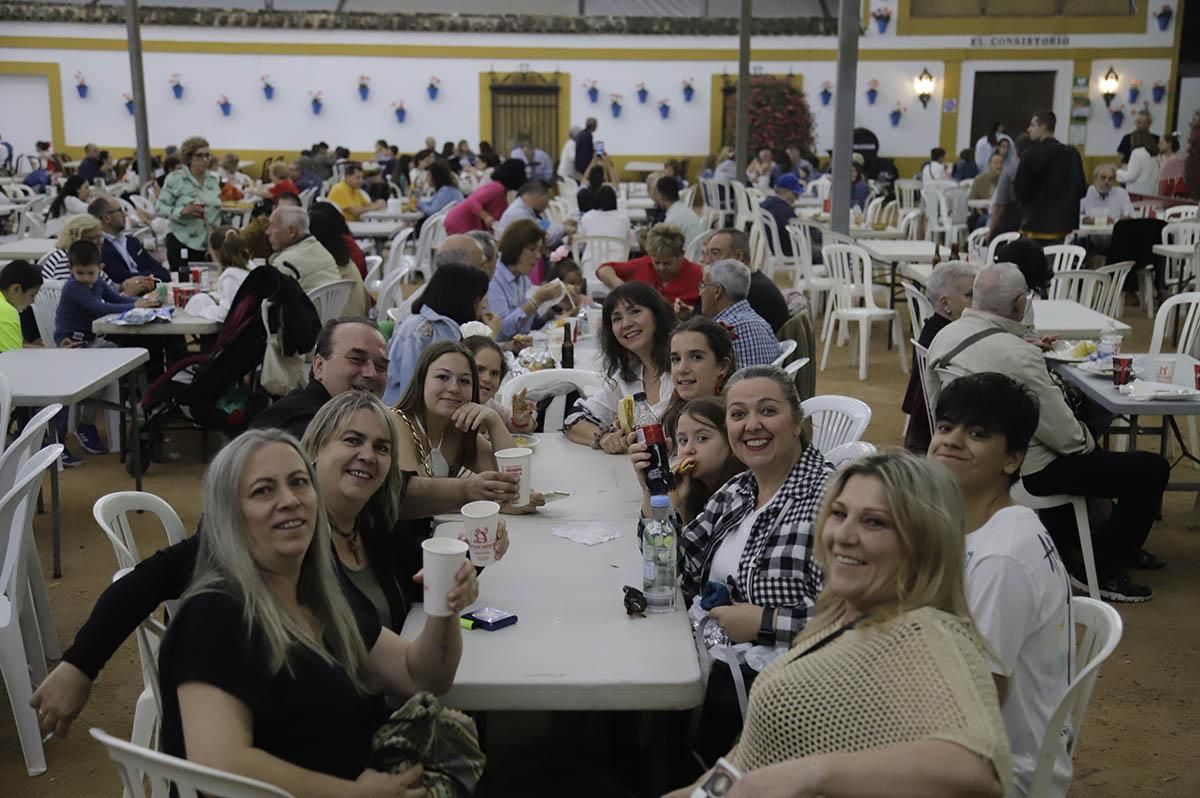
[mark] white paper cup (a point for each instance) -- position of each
(480, 525)
(517, 461)
(393, 205)
(1164, 370)
(442, 559)
(595, 317)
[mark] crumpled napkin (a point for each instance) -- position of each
(588, 534)
(136, 317)
(1141, 389)
(549, 303)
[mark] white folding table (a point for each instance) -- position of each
(573, 647)
(41, 377)
(385, 229)
(1069, 319)
(181, 323)
(28, 248)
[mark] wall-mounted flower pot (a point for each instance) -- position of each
(1134, 93)
(688, 93)
(269, 92)
(316, 106)
(1164, 21)
(433, 92)
(616, 110)
(129, 107)
(593, 94)
(643, 94)
(872, 96)
(1158, 92)
(82, 89)
(1118, 118)
(826, 96)
(226, 108)
(400, 114)
(178, 89)
(664, 111)
(364, 92)
(882, 23)
(895, 117)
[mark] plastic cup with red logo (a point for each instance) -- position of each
(1196, 375)
(1122, 369)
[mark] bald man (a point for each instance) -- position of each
(468, 251)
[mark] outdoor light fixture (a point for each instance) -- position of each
(923, 84)
(1108, 86)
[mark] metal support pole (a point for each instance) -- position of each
(849, 14)
(742, 140)
(142, 128)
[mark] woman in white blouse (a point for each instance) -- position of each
(603, 220)
(635, 337)
(1140, 176)
(229, 250)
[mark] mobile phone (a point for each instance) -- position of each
(599, 147)
(490, 618)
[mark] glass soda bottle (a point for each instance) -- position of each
(659, 480)
(658, 557)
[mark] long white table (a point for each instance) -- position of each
(41, 377)
(28, 248)
(573, 646)
(1069, 319)
(385, 215)
(384, 229)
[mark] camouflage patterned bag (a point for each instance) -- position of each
(442, 740)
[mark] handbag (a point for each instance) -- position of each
(280, 373)
(442, 740)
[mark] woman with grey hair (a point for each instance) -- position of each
(950, 292)
(265, 670)
(190, 200)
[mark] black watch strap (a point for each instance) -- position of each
(766, 628)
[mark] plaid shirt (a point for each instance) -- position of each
(776, 567)
(753, 342)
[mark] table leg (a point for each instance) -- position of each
(892, 293)
(135, 432)
(55, 515)
(1133, 433)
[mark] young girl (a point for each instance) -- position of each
(231, 253)
(442, 422)
(492, 368)
(702, 359)
(563, 267)
(635, 343)
(704, 461)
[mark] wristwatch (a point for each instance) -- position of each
(766, 629)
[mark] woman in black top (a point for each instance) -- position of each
(367, 512)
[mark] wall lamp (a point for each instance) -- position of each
(923, 85)
(1109, 85)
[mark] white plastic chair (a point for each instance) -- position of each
(1187, 304)
(1185, 234)
(836, 420)
(1088, 288)
(1102, 629)
(922, 366)
(907, 192)
(397, 261)
(813, 280)
(330, 298)
(773, 258)
(307, 195)
(20, 648)
(5, 411)
(692, 250)
(45, 305)
(551, 382)
(591, 251)
(854, 450)
(374, 271)
(405, 307)
(743, 212)
(786, 347)
(1065, 257)
(997, 240)
(919, 306)
(791, 368)
(1179, 213)
(1026, 499)
(1117, 273)
(910, 224)
(391, 293)
(850, 267)
(112, 513)
(941, 226)
(188, 778)
(976, 246)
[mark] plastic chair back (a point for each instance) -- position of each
(854, 450)
(1187, 304)
(786, 347)
(188, 778)
(1085, 287)
(550, 382)
(45, 306)
(391, 293)
(976, 246)
(1117, 273)
(5, 411)
(1179, 213)
(112, 513)
(329, 299)
(1065, 257)
(836, 420)
(994, 244)
(919, 306)
(405, 308)
(922, 354)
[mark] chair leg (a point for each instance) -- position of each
(899, 343)
(41, 601)
(829, 333)
(20, 693)
(864, 347)
(1085, 545)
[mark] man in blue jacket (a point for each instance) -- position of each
(124, 256)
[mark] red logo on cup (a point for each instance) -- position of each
(1122, 369)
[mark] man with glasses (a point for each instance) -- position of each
(190, 200)
(765, 297)
(126, 262)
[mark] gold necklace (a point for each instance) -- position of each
(351, 539)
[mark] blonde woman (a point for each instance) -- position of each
(888, 690)
(56, 265)
(265, 670)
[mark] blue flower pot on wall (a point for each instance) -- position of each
(1164, 21)
(895, 117)
(400, 114)
(129, 107)
(872, 96)
(178, 89)
(643, 94)
(226, 108)
(364, 91)
(826, 96)
(1118, 118)
(433, 92)
(316, 106)
(688, 93)
(1134, 93)
(82, 89)
(269, 92)
(593, 94)
(882, 23)
(664, 111)
(616, 109)
(1158, 92)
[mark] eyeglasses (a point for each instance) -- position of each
(358, 361)
(196, 155)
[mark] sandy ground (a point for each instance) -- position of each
(1142, 736)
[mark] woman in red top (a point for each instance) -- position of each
(1170, 167)
(663, 266)
(281, 183)
(488, 202)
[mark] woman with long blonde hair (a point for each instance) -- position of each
(887, 691)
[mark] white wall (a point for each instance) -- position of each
(1102, 137)
(26, 118)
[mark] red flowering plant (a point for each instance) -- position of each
(779, 115)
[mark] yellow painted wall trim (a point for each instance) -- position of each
(951, 87)
(908, 25)
(58, 134)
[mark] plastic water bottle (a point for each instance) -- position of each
(1110, 342)
(658, 557)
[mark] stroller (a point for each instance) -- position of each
(218, 390)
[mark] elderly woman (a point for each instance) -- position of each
(950, 291)
(191, 202)
(889, 687)
(663, 266)
(509, 293)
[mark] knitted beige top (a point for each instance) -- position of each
(921, 676)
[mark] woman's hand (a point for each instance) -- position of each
(472, 417)
(502, 539)
(536, 500)
(522, 412)
(60, 698)
(614, 442)
(493, 486)
(545, 293)
(795, 778)
(147, 302)
(373, 784)
(739, 621)
(466, 586)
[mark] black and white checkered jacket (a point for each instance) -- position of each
(777, 568)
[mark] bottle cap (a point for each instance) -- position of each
(659, 501)
(640, 396)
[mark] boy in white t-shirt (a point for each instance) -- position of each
(1016, 584)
